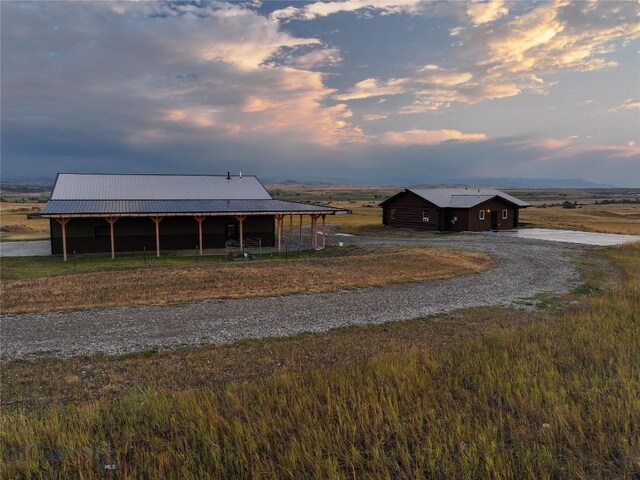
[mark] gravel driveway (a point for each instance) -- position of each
(523, 269)
(30, 248)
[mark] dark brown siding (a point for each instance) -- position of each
(457, 219)
(91, 235)
(407, 210)
(494, 205)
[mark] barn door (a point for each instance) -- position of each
(494, 220)
(231, 231)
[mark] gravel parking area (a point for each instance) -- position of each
(523, 269)
(30, 248)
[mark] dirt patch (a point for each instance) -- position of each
(15, 228)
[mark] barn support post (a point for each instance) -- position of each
(300, 235)
(240, 219)
(111, 221)
(291, 225)
(279, 222)
(324, 231)
(314, 230)
(199, 219)
(63, 223)
(157, 221)
(282, 227)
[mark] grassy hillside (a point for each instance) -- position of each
(557, 399)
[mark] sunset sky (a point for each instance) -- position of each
(362, 91)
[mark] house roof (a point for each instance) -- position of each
(137, 195)
(462, 197)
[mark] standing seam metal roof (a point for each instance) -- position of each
(116, 194)
(463, 198)
(177, 207)
(80, 186)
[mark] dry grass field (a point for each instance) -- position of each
(553, 399)
(234, 280)
(14, 224)
(594, 218)
(34, 385)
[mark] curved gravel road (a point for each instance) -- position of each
(523, 269)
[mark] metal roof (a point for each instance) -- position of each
(82, 186)
(463, 198)
(178, 207)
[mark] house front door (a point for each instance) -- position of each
(494, 220)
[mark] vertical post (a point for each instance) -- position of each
(157, 221)
(240, 219)
(111, 221)
(199, 219)
(291, 225)
(279, 219)
(324, 231)
(63, 223)
(300, 239)
(314, 230)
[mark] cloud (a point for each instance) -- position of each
(373, 117)
(485, 12)
(317, 58)
(511, 58)
(553, 143)
(120, 66)
(554, 148)
(629, 104)
(429, 137)
(373, 88)
(315, 10)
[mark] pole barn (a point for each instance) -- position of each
(111, 213)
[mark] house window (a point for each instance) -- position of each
(393, 214)
(102, 231)
(425, 218)
(504, 214)
(481, 217)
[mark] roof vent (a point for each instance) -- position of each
(228, 175)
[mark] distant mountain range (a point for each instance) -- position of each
(503, 182)
(311, 184)
(527, 182)
(42, 184)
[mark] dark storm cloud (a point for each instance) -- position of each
(211, 87)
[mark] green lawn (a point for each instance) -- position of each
(557, 399)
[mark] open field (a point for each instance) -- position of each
(14, 224)
(554, 399)
(623, 219)
(242, 279)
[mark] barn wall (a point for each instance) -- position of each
(91, 235)
(409, 212)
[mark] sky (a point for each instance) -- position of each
(353, 91)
